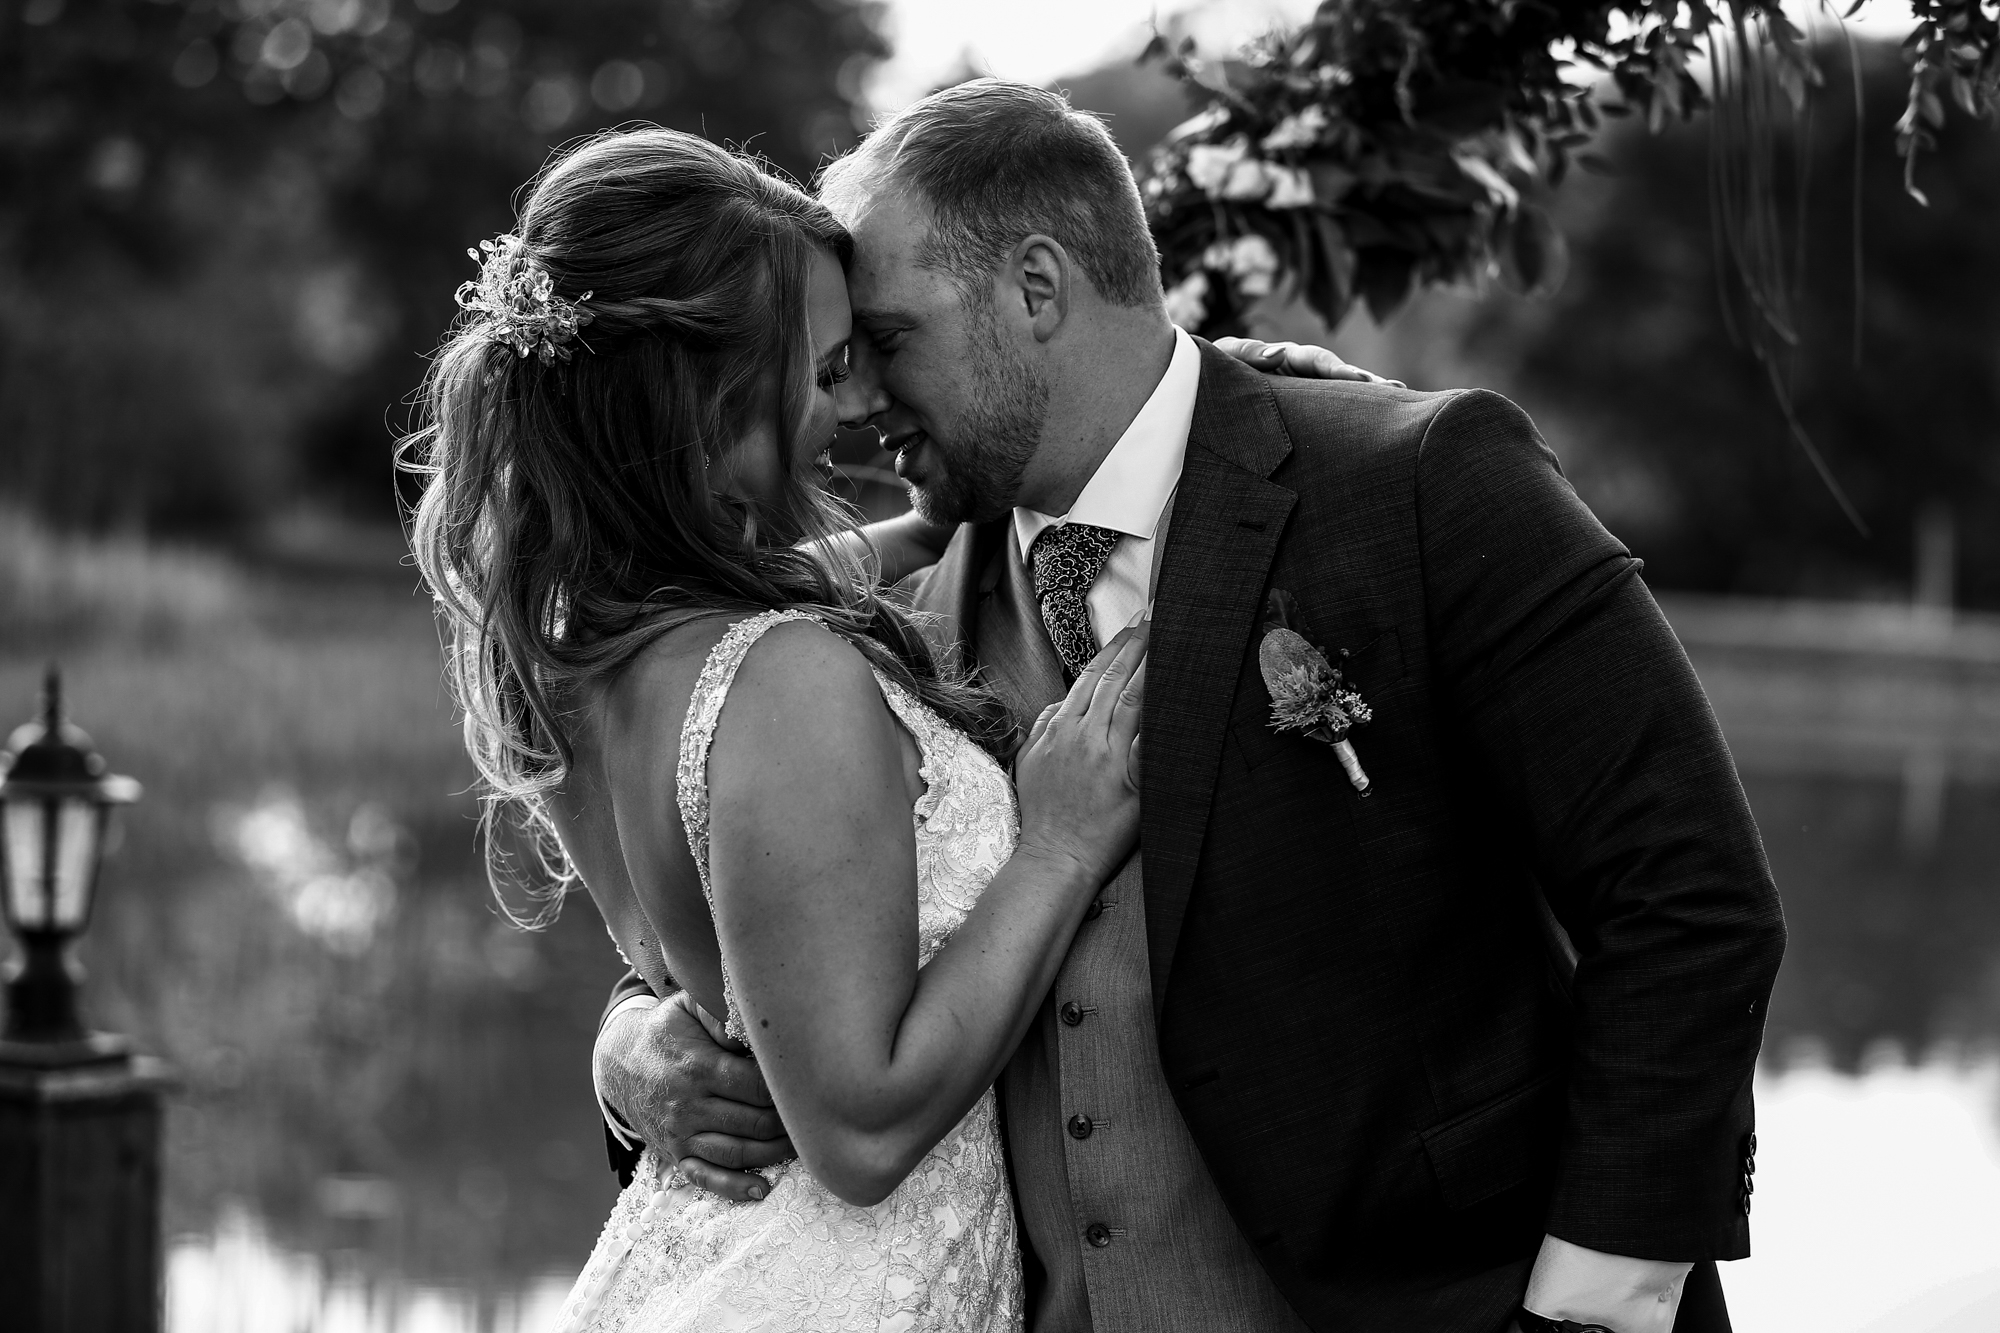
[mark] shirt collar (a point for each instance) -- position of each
(1131, 487)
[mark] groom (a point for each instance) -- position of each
(1470, 1048)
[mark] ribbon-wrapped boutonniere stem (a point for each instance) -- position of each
(1309, 694)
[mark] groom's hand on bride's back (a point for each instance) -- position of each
(1302, 360)
(690, 1097)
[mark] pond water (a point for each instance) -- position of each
(385, 1124)
(1878, 1105)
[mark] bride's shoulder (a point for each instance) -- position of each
(800, 664)
(786, 665)
(804, 735)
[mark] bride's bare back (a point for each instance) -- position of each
(620, 821)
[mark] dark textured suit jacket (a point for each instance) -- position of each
(1357, 1012)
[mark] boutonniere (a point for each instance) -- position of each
(1308, 692)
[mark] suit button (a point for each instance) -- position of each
(1097, 1234)
(1080, 1126)
(1749, 1186)
(1095, 910)
(1072, 1013)
(1750, 1145)
(1750, 1166)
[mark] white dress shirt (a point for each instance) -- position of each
(612, 1120)
(1129, 494)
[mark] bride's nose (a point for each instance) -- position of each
(862, 396)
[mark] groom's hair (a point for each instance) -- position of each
(996, 161)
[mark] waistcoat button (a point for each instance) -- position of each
(1095, 910)
(1097, 1234)
(1072, 1013)
(1080, 1126)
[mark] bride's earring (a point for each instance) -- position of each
(743, 510)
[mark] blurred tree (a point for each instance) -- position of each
(229, 228)
(1385, 146)
(1672, 432)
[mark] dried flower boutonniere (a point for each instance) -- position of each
(1308, 693)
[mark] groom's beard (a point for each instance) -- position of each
(992, 439)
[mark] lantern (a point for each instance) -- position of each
(55, 810)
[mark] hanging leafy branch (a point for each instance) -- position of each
(1391, 144)
(1955, 49)
(1388, 144)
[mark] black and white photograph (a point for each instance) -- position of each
(1081, 666)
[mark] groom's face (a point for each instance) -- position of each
(968, 406)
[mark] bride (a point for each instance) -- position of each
(680, 685)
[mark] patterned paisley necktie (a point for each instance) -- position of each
(1066, 559)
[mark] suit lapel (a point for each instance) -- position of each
(1224, 535)
(981, 599)
(947, 595)
(1014, 644)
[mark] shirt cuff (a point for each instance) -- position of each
(612, 1120)
(1629, 1295)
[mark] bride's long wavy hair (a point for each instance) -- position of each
(566, 519)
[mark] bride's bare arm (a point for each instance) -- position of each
(906, 543)
(813, 862)
(1303, 360)
(892, 549)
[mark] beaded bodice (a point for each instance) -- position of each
(940, 1252)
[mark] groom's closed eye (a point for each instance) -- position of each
(887, 340)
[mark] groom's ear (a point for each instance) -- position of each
(1040, 280)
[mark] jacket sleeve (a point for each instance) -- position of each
(621, 1147)
(630, 986)
(1597, 743)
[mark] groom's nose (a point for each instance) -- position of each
(862, 398)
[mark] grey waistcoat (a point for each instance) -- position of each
(1118, 1207)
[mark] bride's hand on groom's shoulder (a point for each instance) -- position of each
(667, 1071)
(1302, 360)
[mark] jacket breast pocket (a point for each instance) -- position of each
(1497, 1145)
(1371, 669)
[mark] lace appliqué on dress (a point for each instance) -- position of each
(940, 1252)
(691, 773)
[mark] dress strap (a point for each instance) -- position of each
(691, 775)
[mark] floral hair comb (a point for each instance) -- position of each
(516, 298)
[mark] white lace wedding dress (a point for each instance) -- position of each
(940, 1252)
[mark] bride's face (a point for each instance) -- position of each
(756, 468)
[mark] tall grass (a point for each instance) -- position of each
(433, 1048)
(59, 589)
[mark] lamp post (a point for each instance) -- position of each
(79, 1111)
(55, 809)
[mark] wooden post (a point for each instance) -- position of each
(80, 1241)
